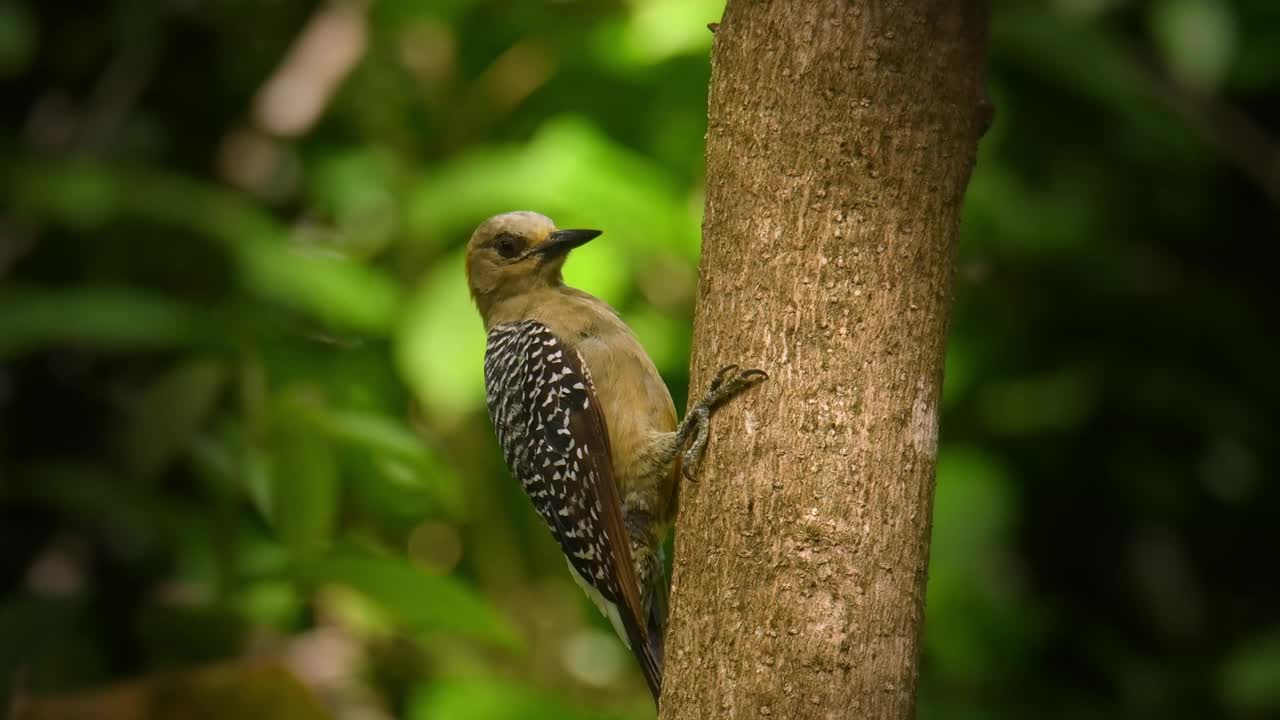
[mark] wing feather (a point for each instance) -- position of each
(552, 430)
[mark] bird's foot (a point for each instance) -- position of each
(729, 381)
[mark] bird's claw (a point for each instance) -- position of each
(721, 374)
(731, 380)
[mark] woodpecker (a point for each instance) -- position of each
(585, 423)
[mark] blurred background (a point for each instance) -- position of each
(245, 466)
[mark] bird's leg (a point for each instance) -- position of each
(729, 381)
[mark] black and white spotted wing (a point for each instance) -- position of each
(553, 436)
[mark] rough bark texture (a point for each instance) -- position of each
(842, 135)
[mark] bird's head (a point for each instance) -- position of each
(515, 253)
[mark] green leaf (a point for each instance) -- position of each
(1197, 39)
(353, 182)
(487, 700)
(304, 493)
(106, 318)
(168, 415)
(575, 174)
(378, 433)
(974, 627)
(1052, 402)
(89, 493)
(335, 289)
(18, 38)
(258, 484)
(439, 345)
(1084, 58)
(400, 456)
(658, 30)
(304, 479)
(417, 598)
(1250, 679)
(327, 285)
(662, 338)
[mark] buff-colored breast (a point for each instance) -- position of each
(635, 401)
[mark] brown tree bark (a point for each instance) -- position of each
(842, 135)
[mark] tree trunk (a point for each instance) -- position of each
(841, 138)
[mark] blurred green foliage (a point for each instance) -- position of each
(241, 408)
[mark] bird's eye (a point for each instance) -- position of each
(507, 246)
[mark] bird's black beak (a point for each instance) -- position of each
(562, 241)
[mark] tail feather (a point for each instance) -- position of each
(650, 655)
(656, 628)
(656, 624)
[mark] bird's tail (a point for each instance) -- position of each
(652, 577)
(656, 623)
